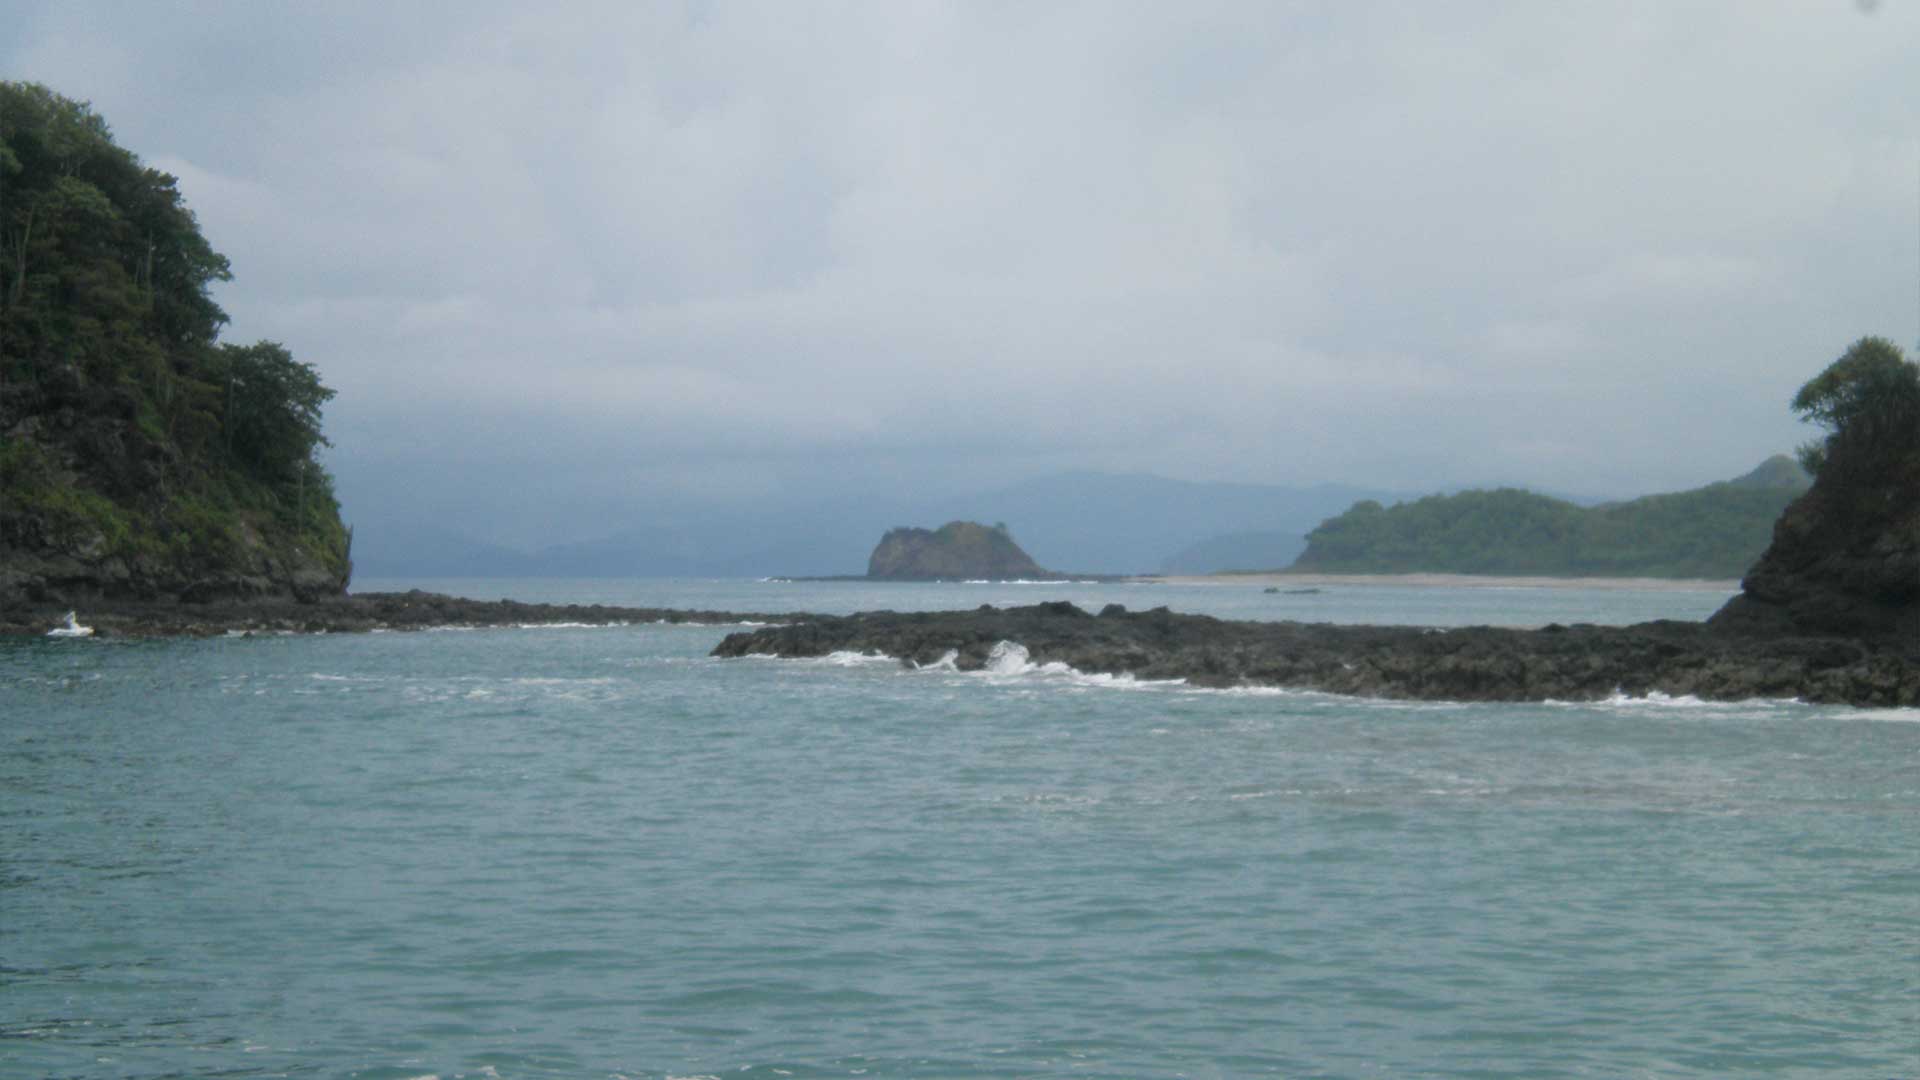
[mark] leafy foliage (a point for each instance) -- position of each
(1869, 402)
(1712, 532)
(273, 402)
(122, 416)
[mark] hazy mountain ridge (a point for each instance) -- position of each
(1716, 531)
(1082, 522)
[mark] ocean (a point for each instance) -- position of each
(595, 852)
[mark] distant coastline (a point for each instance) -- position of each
(1289, 579)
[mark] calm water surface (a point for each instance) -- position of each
(594, 852)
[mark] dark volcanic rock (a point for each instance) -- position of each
(362, 612)
(1845, 559)
(1469, 664)
(958, 550)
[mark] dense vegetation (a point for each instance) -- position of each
(1711, 532)
(1869, 402)
(138, 454)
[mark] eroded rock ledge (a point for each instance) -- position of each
(1573, 663)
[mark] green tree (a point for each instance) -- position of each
(102, 266)
(1869, 402)
(271, 418)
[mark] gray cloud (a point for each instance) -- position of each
(608, 252)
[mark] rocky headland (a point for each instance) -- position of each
(142, 459)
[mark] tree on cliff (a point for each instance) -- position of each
(272, 407)
(1869, 402)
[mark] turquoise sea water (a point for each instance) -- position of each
(594, 852)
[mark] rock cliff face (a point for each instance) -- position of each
(1845, 559)
(96, 506)
(956, 550)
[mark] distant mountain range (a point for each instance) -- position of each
(1081, 522)
(1104, 523)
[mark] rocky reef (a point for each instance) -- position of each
(1573, 663)
(358, 613)
(956, 551)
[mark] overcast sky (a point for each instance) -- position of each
(554, 259)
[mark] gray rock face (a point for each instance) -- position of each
(958, 550)
(83, 570)
(1845, 559)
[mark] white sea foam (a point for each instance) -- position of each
(1655, 699)
(1893, 716)
(1024, 581)
(1010, 660)
(949, 661)
(848, 658)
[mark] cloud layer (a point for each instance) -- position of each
(606, 254)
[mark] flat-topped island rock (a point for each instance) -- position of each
(956, 551)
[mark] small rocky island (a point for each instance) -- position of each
(956, 551)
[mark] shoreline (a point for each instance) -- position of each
(355, 613)
(1579, 662)
(1284, 579)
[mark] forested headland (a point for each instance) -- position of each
(140, 456)
(1712, 532)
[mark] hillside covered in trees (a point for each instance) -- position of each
(1712, 532)
(140, 457)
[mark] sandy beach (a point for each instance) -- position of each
(1451, 581)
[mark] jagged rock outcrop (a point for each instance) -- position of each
(958, 550)
(94, 508)
(1845, 559)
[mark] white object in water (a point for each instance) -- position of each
(72, 629)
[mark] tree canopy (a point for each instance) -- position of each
(1869, 402)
